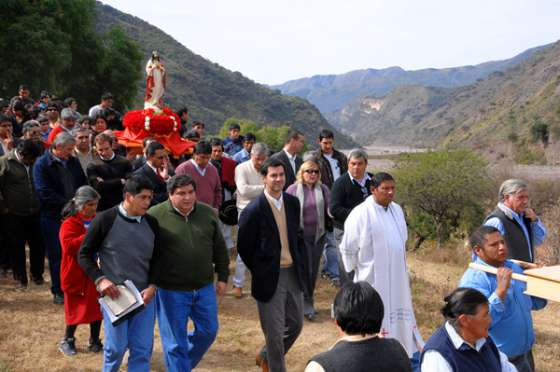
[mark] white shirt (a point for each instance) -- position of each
(434, 362)
(335, 167)
(200, 171)
(277, 202)
(361, 182)
(125, 213)
(292, 159)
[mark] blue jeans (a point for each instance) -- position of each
(136, 335)
(183, 350)
(330, 267)
(50, 227)
(415, 362)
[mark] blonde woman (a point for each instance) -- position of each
(315, 221)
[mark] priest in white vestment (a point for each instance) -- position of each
(373, 246)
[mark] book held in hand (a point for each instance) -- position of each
(125, 306)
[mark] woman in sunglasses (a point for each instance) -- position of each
(315, 222)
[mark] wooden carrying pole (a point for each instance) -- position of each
(541, 282)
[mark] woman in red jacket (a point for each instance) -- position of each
(80, 295)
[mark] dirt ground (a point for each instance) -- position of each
(31, 326)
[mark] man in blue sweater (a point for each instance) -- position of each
(512, 324)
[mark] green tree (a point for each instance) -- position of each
(445, 187)
(539, 131)
(272, 136)
(53, 45)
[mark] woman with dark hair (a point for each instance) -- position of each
(100, 123)
(80, 294)
(358, 313)
(315, 222)
(463, 343)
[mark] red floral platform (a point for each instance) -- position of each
(164, 126)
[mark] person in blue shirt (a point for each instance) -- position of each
(512, 323)
(518, 223)
(245, 153)
(234, 142)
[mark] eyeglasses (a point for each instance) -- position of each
(311, 171)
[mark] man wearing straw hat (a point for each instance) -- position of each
(512, 324)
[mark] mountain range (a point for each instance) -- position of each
(506, 106)
(211, 92)
(332, 92)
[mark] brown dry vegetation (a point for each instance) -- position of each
(31, 326)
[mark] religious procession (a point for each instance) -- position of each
(139, 216)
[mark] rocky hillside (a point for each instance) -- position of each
(212, 92)
(517, 105)
(331, 92)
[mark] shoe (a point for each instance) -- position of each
(261, 361)
(237, 292)
(39, 280)
(335, 282)
(20, 286)
(95, 346)
(68, 346)
(311, 316)
(58, 299)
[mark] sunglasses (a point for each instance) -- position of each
(312, 171)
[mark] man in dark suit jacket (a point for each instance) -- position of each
(349, 190)
(295, 140)
(269, 244)
(155, 171)
(57, 175)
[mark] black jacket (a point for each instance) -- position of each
(290, 175)
(56, 183)
(160, 187)
(325, 166)
(111, 172)
(345, 195)
(258, 244)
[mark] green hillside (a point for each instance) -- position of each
(212, 92)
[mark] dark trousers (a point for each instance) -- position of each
(313, 253)
(22, 230)
(524, 362)
(344, 276)
(4, 249)
(281, 319)
(50, 228)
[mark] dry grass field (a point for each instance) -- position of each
(31, 326)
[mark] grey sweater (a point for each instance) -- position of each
(127, 249)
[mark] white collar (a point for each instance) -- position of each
(361, 182)
(457, 340)
(125, 213)
(508, 211)
(152, 167)
(111, 158)
(290, 156)
(201, 171)
(277, 202)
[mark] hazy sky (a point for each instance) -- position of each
(275, 41)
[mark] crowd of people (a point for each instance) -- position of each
(103, 216)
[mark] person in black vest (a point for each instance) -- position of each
(108, 172)
(349, 190)
(358, 312)
(155, 170)
(293, 145)
(463, 343)
(517, 222)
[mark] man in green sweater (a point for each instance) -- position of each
(193, 249)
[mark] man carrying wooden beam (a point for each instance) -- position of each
(510, 308)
